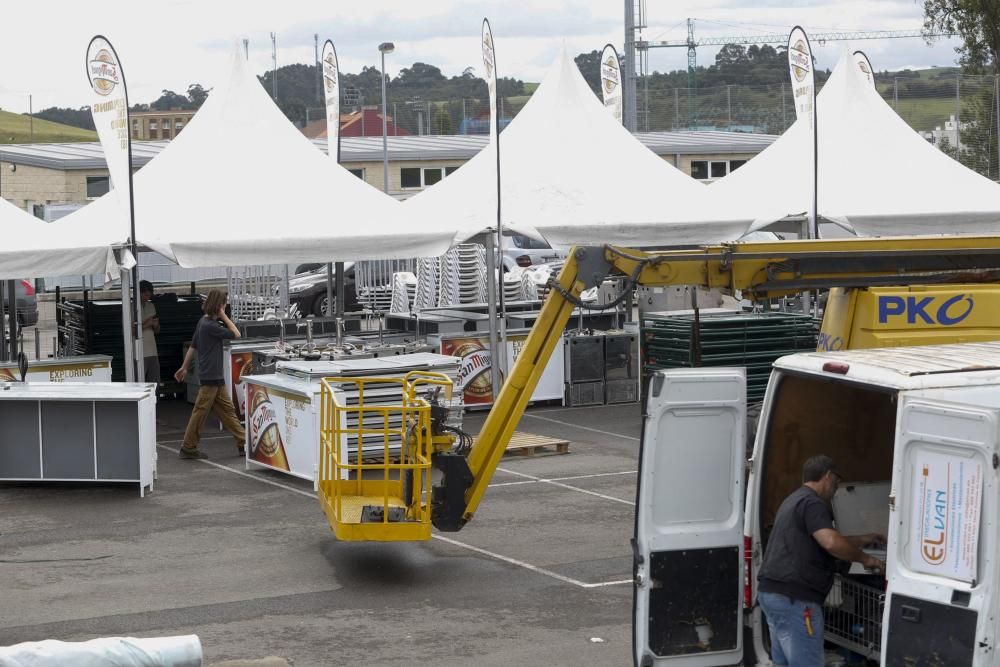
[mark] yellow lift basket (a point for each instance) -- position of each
(372, 498)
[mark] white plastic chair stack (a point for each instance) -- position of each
(428, 278)
(404, 285)
(463, 275)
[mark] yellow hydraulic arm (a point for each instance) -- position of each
(760, 270)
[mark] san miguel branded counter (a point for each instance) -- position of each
(477, 359)
(283, 408)
(91, 368)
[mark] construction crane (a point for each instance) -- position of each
(637, 49)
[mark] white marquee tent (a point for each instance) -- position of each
(570, 172)
(876, 174)
(33, 248)
(241, 185)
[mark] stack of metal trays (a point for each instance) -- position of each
(389, 393)
(751, 340)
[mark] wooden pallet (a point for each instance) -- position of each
(527, 444)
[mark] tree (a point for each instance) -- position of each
(442, 122)
(589, 65)
(197, 95)
(170, 100)
(731, 55)
(81, 117)
(977, 22)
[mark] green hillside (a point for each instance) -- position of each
(17, 128)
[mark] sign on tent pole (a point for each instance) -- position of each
(800, 65)
(111, 118)
(611, 81)
(331, 92)
(865, 65)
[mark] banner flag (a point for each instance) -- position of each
(110, 112)
(489, 62)
(865, 65)
(331, 92)
(114, 129)
(800, 66)
(611, 81)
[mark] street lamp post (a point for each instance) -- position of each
(384, 48)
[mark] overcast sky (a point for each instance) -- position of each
(170, 44)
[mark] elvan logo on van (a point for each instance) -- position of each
(949, 313)
(934, 515)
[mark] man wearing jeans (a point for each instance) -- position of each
(797, 572)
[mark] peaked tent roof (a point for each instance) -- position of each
(242, 185)
(33, 248)
(575, 175)
(875, 173)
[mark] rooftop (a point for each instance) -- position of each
(89, 155)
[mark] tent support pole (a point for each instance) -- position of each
(328, 311)
(338, 273)
(491, 296)
(128, 337)
(12, 319)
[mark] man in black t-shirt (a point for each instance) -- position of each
(212, 329)
(797, 572)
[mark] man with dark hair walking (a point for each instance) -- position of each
(212, 329)
(797, 572)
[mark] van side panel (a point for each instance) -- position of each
(929, 633)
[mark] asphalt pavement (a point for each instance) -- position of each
(246, 560)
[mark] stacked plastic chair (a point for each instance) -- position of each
(463, 275)
(404, 286)
(428, 278)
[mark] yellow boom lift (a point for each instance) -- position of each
(884, 292)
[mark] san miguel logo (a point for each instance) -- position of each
(105, 74)
(329, 74)
(610, 76)
(798, 58)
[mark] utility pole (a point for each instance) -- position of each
(274, 68)
(629, 79)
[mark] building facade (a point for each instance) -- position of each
(159, 125)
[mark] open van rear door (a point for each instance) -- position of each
(688, 560)
(942, 534)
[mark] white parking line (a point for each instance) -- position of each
(567, 486)
(562, 479)
(582, 428)
(440, 538)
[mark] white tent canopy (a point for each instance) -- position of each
(241, 185)
(33, 248)
(876, 174)
(570, 172)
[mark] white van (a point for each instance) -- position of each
(915, 433)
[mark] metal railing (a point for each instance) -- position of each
(381, 500)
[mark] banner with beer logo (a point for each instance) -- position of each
(331, 93)
(111, 119)
(865, 65)
(264, 439)
(611, 82)
(110, 111)
(489, 63)
(946, 499)
(800, 64)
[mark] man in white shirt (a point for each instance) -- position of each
(150, 327)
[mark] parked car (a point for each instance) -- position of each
(26, 301)
(307, 290)
(524, 251)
